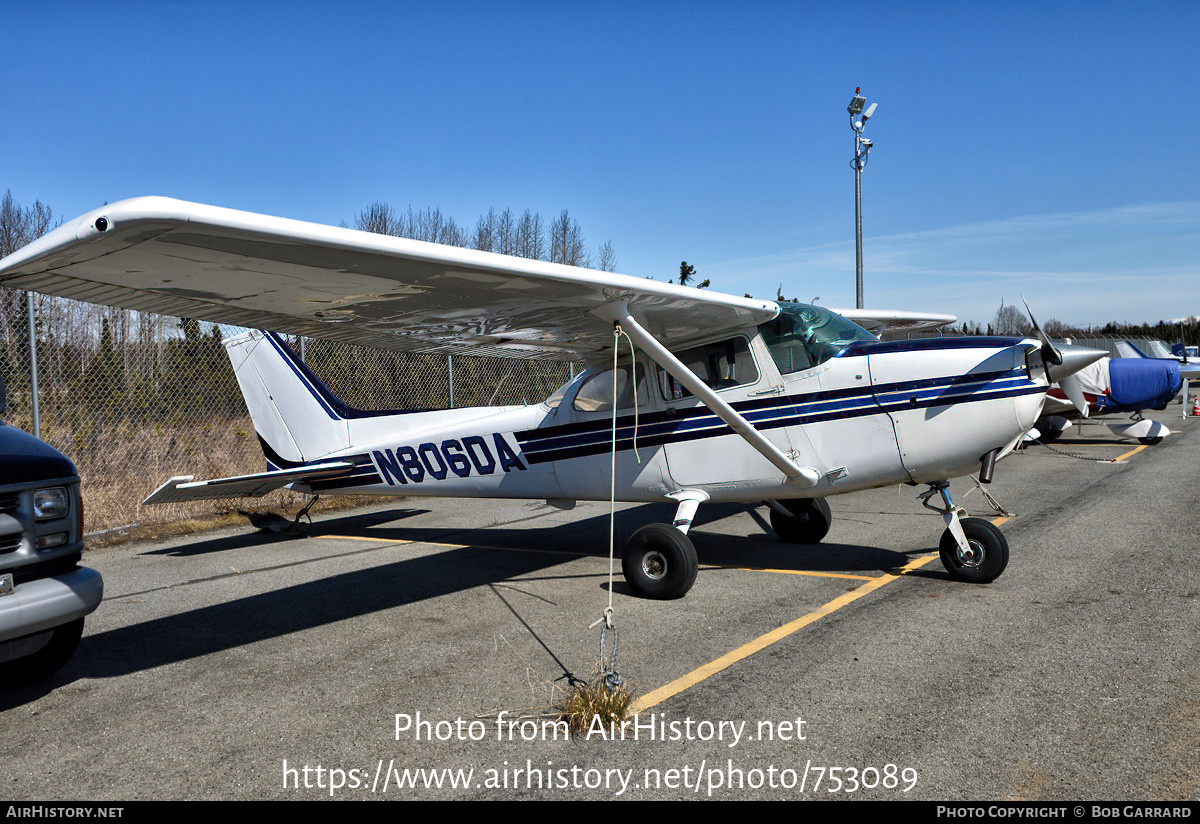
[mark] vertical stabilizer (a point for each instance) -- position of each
(293, 414)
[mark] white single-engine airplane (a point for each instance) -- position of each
(727, 398)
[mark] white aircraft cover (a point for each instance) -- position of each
(191, 260)
(1094, 378)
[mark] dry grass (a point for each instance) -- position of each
(594, 699)
(119, 464)
(227, 519)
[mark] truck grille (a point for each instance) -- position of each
(10, 543)
(9, 503)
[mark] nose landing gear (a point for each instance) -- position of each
(972, 549)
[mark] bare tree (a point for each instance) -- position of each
(566, 242)
(485, 232)
(379, 218)
(1055, 328)
(19, 226)
(531, 239)
(1010, 320)
(506, 233)
(607, 257)
(503, 233)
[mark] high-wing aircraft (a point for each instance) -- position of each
(1156, 350)
(1114, 386)
(689, 396)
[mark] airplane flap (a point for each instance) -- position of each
(182, 488)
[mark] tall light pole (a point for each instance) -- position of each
(862, 146)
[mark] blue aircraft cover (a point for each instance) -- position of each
(1140, 383)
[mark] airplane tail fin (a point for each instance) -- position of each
(298, 420)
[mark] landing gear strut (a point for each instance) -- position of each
(972, 549)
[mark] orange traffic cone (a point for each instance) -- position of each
(1196, 406)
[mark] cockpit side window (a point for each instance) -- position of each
(721, 365)
(556, 397)
(804, 336)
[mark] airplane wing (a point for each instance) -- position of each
(881, 320)
(226, 266)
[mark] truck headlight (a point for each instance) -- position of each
(51, 503)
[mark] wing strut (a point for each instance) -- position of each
(805, 476)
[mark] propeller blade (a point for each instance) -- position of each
(1050, 355)
(1074, 392)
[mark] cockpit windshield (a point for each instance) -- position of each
(803, 336)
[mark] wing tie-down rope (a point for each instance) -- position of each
(612, 677)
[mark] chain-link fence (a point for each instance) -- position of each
(134, 398)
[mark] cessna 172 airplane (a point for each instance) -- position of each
(725, 399)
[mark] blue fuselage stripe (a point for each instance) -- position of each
(594, 437)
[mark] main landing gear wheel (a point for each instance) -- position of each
(808, 524)
(988, 556)
(1151, 441)
(659, 562)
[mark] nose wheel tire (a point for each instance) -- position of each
(809, 522)
(659, 562)
(988, 555)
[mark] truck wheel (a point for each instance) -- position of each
(45, 662)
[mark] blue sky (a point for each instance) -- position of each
(1030, 148)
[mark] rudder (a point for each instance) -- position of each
(293, 413)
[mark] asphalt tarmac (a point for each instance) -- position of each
(410, 651)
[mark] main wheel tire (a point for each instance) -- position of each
(809, 522)
(29, 669)
(1047, 432)
(659, 562)
(989, 552)
(1151, 441)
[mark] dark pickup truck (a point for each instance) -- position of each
(44, 592)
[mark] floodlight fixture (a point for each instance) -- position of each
(860, 113)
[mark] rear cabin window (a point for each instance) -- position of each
(596, 394)
(804, 336)
(720, 365)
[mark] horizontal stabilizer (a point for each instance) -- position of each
(183, 488)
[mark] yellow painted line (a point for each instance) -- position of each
(1133, 451)
(363, 538)
(762, 642)
(792, 572)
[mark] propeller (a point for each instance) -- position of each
(1050, 355)
(1075, 360)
